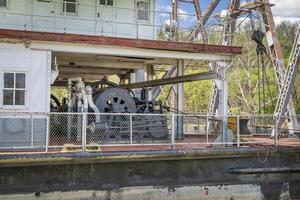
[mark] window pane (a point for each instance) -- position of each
(20, 80)
(110, 2)
(8, 80)
(143, 12)
(71, 6)
(3, 3)
(20, 98)
(103, 2)
(8, 96)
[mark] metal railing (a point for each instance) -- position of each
(92, 19)
(53, 131)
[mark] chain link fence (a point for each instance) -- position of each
(53, 131)
(23, 130)
(91, 18)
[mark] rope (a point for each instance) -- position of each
(260, 147)
(266, 157)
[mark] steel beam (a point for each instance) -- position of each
(173, 80)
(213, 4)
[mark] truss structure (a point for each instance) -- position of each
(235, 9)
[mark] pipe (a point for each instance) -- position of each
(85, 100)
(80, 90)
(79, 118)
(70, 109)
(89, 93)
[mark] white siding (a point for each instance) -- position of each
(34, 63)
(117, 21)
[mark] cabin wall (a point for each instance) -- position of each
(35, 64)
(119, 20)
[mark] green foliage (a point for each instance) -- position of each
(243, 78)
(197, 94)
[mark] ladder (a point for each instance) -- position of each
(287, 84)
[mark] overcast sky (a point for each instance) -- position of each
(283, 9)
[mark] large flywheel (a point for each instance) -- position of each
(115, 100)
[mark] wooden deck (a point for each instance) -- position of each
(189, 143)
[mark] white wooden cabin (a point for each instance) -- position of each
(117, 18)
(86, 38)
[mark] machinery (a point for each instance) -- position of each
(104, 101)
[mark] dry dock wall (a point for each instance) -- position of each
(110, 173)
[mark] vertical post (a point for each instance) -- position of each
(65, 15)
(207, 127)
(130, 122)
(31, 129)
(84, 131)
(47, 131)
(276, 131)
(96, 18)
(180, 100)
(173, 131)
(222, 85)
(198, 118)
(238, 130)
(137, 23)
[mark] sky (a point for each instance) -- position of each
(283, 10)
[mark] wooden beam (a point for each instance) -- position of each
(28, 36)
(178, 79)
(99, 64)
(90, 70)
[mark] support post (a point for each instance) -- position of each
(223, 100)
(180, 98)
(84, 131)
(130, 124)
(238, 130)
(198, 121)
(137, 23)
(276, 132)
(225, 135)
(173, 130)
(47, 131)
(31, 129)
(207, 127)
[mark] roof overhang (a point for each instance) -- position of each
(73, 43)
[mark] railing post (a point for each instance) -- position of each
(84, 131)
(238, 130)
(198, 118)
(47, 131)
(130, 123)
(207, 128)
(137, 24)
(31, 129)
(65, 15)
(173, 130)
(276, 131)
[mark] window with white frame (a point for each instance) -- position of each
(106, 2)
(70, 6)
(3, 3)
(14, 89)
(143, 10)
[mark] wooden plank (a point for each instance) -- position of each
(27, 36)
